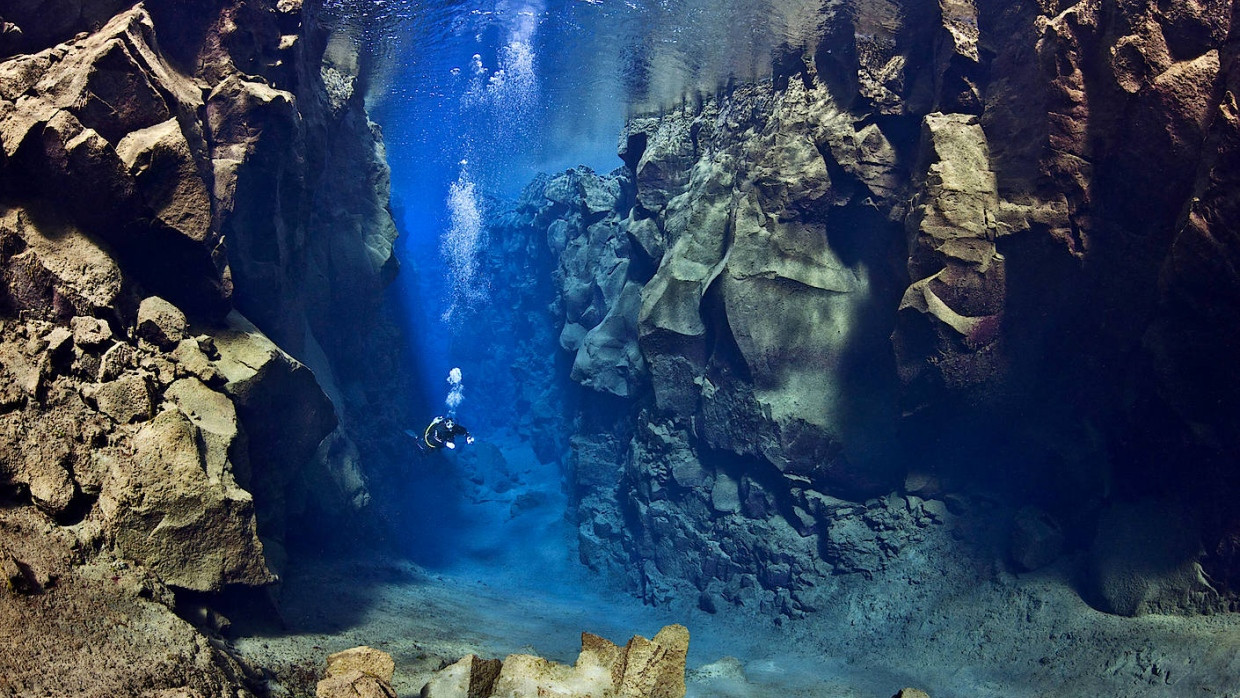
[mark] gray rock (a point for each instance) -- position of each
(1037, 539)
(725, 496)
(1146, 558)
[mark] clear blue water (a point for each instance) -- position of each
(476, 98)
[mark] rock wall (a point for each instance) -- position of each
(185, 207)
(965, 249)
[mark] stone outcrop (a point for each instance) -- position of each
(640, 669)
(183, 210)
(361, 672)
(951, 248)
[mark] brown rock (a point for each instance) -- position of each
(367, 660)
(911, 693)
(115, 361)
(168, 179)
(160, 322)
(58, 265)
(194, 529)
(126, 399)
(354, 684)
(89, 331)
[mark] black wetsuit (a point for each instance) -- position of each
(440, 435)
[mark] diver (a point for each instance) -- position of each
(442, 433)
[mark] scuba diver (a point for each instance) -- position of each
(442, 433)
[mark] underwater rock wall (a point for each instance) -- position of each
(973, 254)
(189, 197)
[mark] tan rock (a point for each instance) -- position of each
(354, 684)
(191, 359)
(160, 322)
(471, 677)
(911, 693)
(641, 669)
(89, 331)
(365, 659)
(126, 399)
(194, 529)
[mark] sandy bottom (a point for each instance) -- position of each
(427, 620)
(505, 580)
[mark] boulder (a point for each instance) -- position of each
(58, 265)
(162, 163)
(1037, 539)
(161, 323)
(126, 399)
(1146, 558)
(90, 331)
(193, 528)
(354, 684)
(283, 413)
(367, 660)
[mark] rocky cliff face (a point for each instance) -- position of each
(188, 197)
(956, 249)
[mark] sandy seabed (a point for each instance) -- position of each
(428, 619)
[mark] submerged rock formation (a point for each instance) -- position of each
(961, 252)
(641, 669)
(165, 253)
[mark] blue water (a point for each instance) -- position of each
(475, 99)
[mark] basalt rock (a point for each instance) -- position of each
(144, 423)
(945, 249)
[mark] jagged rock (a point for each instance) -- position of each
(911, 693)
(283, 412)
(191, 359)
(90, 331)
(471, 677)
(1037, 539)
(368, 660)
(193, 528)
(162, 163)
(216, 419)
(58, 264)
(949, 331)
(161, 323)
(126, 399)
(641, 669)
(361, 672)
(115, 361)
(608, 358)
